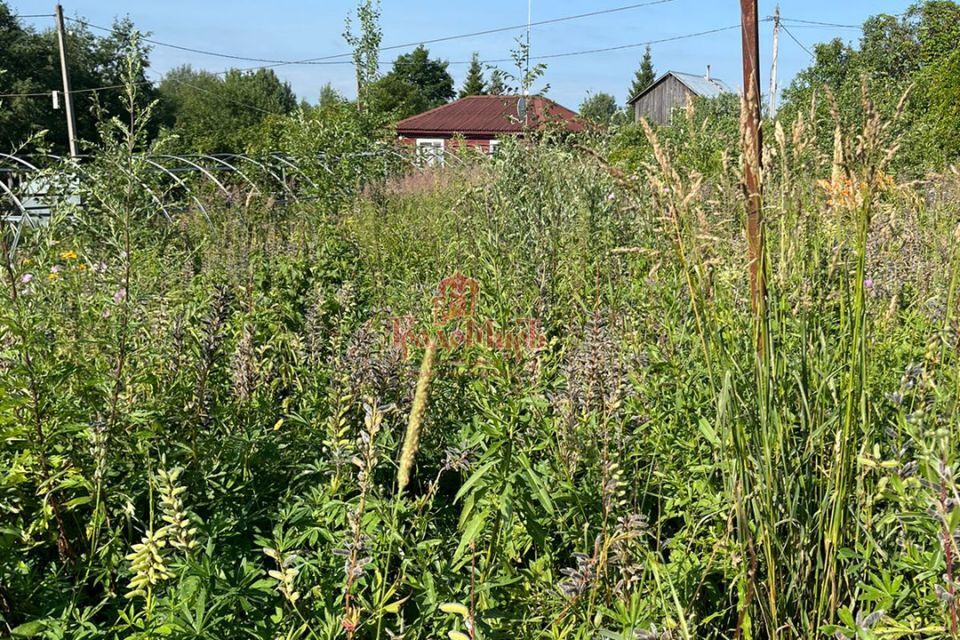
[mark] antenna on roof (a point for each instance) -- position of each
(708, 73)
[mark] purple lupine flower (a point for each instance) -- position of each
(55, 269)
(26, 278)
(100, 267)
(120, 295)
(868, 283)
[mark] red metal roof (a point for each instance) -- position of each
(491, 115)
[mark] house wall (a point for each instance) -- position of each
(657, 105)
(478, 143)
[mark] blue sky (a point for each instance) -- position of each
(294, 30)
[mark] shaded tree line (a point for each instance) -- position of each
(207, 112)
(30, 72)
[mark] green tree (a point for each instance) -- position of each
(213, 114)
(600, 108)
(645, 75)
(944, 104)
(329, 97)
(496, 86)
(29, 65)
(914, 50)
(416, 83)
(474, 84)
(366, 47)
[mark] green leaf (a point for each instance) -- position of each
(455, 607)
(470, 532)
(474, 479)
(709, 433)
(537, 485)
(76, 502)
(29, 629)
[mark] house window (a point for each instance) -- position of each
(493, 147)
(430, 151)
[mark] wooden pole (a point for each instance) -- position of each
(67, 96)
(752, 140)
(773, 63)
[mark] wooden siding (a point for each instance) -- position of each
(658, 104)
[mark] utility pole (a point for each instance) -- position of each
(67, 96)
(773, 65)
(752, 139)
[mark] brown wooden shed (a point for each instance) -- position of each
(672, 90)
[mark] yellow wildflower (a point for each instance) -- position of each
(81, 267)
(69, 255)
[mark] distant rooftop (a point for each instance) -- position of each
(700, 84)
(487, 115)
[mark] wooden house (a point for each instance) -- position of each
(479, 121)
(673, 90)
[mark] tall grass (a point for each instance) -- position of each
(209, 430)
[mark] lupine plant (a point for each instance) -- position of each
(269, 419)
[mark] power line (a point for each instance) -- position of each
(25, 95)
(326, 59)
(823, 24)
(489, 61)
(538, 23)
(33, 15)
(794, 38)
(230, 100)
(823, 27)
(183, 48)
(46, 94)
(582, 52)
(637, 44)
(565, 54)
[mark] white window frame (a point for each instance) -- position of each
(493, 146)
(437, 147)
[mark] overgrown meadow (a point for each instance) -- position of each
(273, 418)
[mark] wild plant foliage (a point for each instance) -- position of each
(275, 421)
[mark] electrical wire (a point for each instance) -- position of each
(458, 62)
(230, 100)
(26, 95)
(815, 23)
(794, 38)
(637, 44)
(566, 54)
(183, 48)
(326, 59)
(46, 94)
(538, 23)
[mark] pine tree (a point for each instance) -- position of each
(645, 75)
(497, 85)
(474, 84)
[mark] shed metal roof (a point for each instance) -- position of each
(490, 115)
(700, 85)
